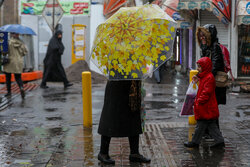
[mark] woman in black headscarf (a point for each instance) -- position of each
(53, 69)
(208, 42)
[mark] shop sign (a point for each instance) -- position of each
(226, 2)
(216, 12)
(70, 7)
(221, 6)
(245, 69)
(176, 16)
(248, 7)
(185, 25)
(246, 20)
(224, 20)
(205, 5)
(181, 5)
(247, 59)
(3, 42)
(78, 42)
(192, 5)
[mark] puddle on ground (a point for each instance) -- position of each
(158, 104)
(88, 147)
(18, 133)
(51, 109)
(55, 131)
(158, 94)
(247, 113)
(237, 114)
(207, 157)
(53, 118)
(243, 107)
(61, 99)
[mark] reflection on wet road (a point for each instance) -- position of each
(46, 130)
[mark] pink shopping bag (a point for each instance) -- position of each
(188, 105)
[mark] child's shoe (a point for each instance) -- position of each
(191, 145)
(218, 145)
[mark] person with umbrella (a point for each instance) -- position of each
(125, 45)
(53, 69)
(17, 50)
(121, 118)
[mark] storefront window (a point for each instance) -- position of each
(244, 51)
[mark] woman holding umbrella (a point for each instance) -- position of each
(128, 42)
(121, 118)
(17, 50)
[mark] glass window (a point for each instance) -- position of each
(244, 51)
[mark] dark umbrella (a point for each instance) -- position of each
(18, 29)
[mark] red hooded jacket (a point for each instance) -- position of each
(205, 105)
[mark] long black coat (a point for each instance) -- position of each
(53, 69)
(117, 119)
(213, 51)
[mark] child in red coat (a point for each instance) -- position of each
(205, 106)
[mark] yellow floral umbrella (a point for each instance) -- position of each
(133, 39)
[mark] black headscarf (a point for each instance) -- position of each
(55, 49)
(213, 31)
(56, 43)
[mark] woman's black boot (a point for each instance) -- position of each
(105, 158)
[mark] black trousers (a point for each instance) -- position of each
(8, 81)
(213, 131)
(133, 144)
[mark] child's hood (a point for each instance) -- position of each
(206, 65)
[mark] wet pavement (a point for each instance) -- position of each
(46, 129)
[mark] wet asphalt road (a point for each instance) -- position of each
(46, 129)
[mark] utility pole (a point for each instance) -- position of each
(53, 17)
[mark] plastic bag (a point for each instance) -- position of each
(149, 70)
(188, 105)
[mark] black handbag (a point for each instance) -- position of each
(5, 59)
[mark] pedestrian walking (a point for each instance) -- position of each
(121, 118)
(17, 50)
(53, 69)
(205, 106)
(208, 42)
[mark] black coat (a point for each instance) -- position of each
(215, 53)
(117, 119)
(53, 69)
(218, 65)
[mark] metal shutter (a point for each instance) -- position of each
(207, 17)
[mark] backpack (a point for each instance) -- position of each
(226, 57)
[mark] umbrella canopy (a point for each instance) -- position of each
(133, 39)
(18, 29)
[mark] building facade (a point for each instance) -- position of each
(9, 12)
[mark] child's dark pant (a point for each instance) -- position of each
(212, 128)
